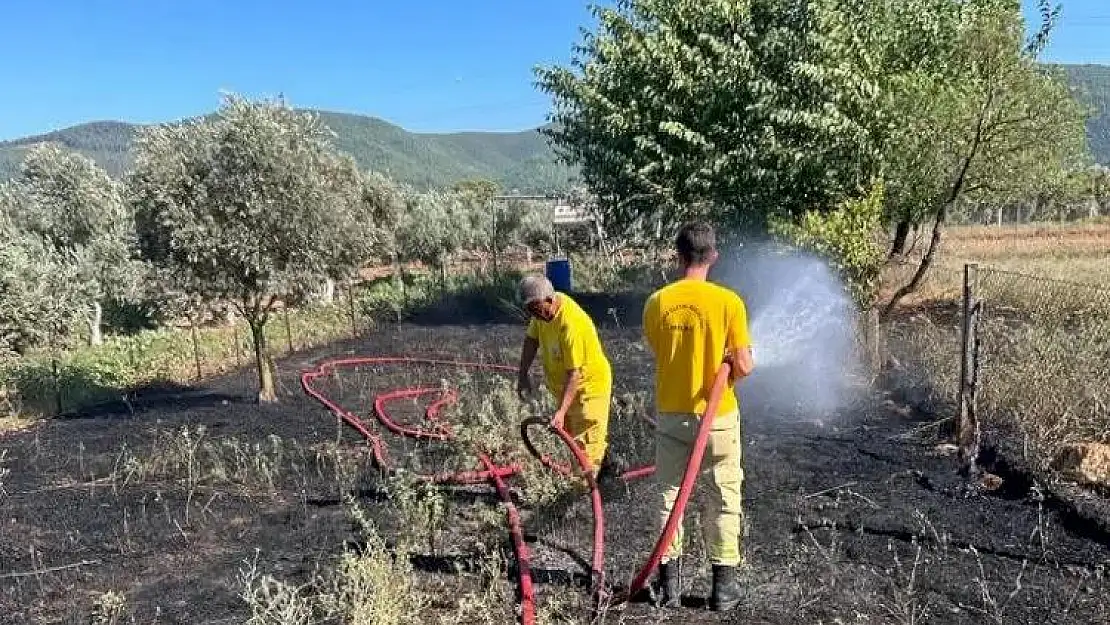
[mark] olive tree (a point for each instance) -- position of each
(250, 205)
(78, 212)
(40, 289)
(436, 226)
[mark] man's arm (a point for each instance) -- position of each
(570, 391)
(738, 344)
(527, 355)
(647, 322)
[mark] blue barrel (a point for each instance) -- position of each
(558, 272)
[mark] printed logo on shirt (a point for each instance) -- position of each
(682, 318)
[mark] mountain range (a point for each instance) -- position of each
(520, 161)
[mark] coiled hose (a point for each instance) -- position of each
(496, 474)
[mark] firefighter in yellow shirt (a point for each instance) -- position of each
(693, 326)
(575, 367)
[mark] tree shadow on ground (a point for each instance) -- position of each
(481, 307)
(80, 394)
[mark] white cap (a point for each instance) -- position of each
(535, 288)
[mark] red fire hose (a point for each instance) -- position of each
(494, 473)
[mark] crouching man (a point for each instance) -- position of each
(576, 370)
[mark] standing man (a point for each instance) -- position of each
(576, 370)
(694, 326)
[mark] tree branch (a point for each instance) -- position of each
(954, 192)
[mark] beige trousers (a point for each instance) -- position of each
(723, 518)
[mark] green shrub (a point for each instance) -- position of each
(847, 238)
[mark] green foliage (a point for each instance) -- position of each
(39, 289)
(435, 226)
(72, 214)
(482, 190)
(250, 206)
(977, 119)
(847, 237)
(92, 374)
(732, 111)
(419, 292)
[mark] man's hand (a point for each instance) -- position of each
(559, 420)
(740, 362)
(527, 355)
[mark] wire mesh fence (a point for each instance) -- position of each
(1032, 366)
(1044, 361)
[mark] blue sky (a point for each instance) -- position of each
(427, 65)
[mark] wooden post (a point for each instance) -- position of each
(196, 346)
(873, 342)
(288, 330)
(968, 433)
(351, 302)
(238, 345)
(57, 385)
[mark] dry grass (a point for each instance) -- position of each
(1045, 332)
(191, 459)
(368, 586)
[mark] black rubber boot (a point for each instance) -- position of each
(726, 590)
(668, 593)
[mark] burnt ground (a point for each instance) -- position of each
(848, 520)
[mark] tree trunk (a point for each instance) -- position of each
(328, 296)
(954, 192)
(96, 320)
(901, 234)
(266, 391)
(922, 269)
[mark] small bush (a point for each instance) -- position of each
(368, 586)
(847, 237)
(109, 608)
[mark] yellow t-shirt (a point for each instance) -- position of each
(570, 341)
(689, 325)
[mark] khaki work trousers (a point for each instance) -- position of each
(723, 518)
(588, 422)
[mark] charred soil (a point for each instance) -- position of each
(168, 500)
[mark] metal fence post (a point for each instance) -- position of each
(968, 393)
(57, 384)
(238, 345)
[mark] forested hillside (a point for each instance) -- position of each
(1093, 85)
(517, 160)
